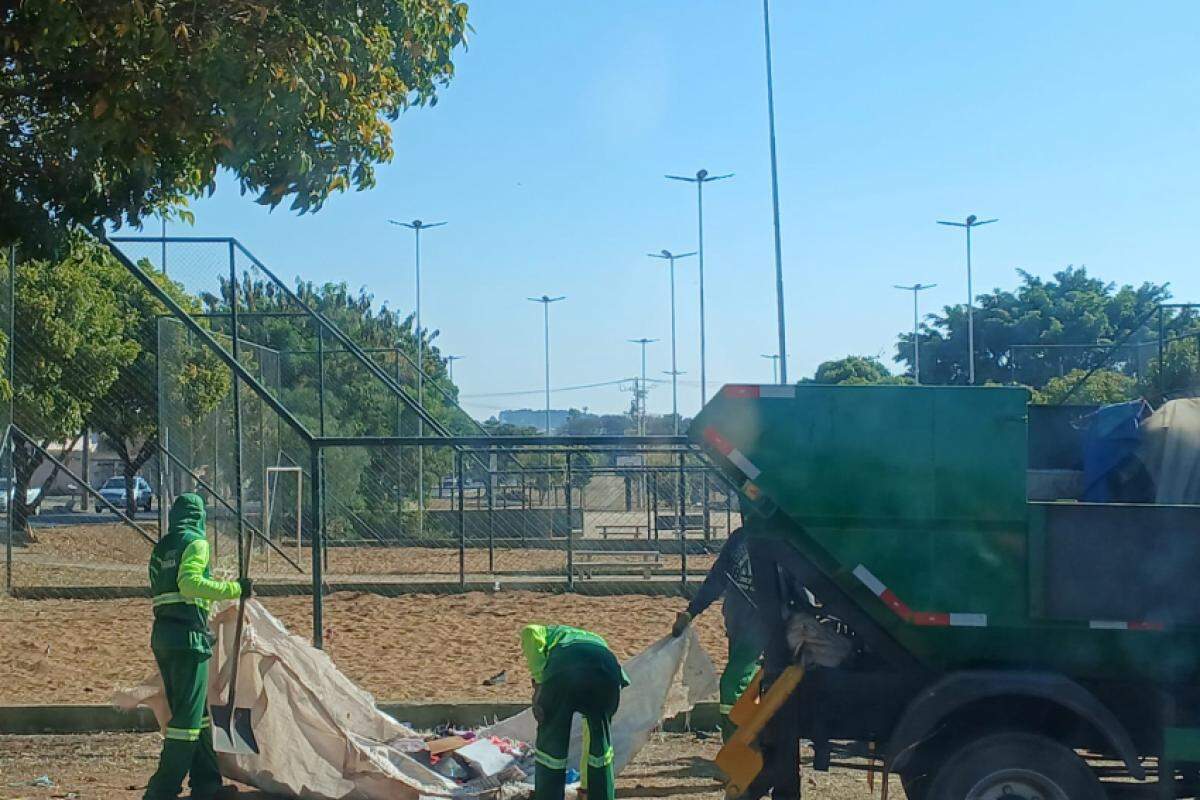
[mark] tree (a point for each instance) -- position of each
(73, 348)
(127, 416)
(855, 370)
(1103, 387)
(112, 110)
(1028, 336)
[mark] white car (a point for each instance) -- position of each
(6, 495)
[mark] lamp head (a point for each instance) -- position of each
(666, 253)
(702, 174)
(971, 219)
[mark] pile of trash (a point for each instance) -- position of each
(320, 736)
(465, 756)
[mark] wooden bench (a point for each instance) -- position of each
(634, 529)
(589, 563)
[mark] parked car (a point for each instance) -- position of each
(6, 495)
(113, 491)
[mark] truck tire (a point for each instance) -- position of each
(1015, 766)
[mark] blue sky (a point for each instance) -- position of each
(1075, 123)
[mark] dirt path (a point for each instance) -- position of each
(116, 767)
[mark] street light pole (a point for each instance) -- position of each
(450, 366)
(642, 395)
(546, 300)
(774, 357)
(674, 373)
(916, 289)
(775, 198)
(416, 226)
(667, 255)
(702, 177)
(971, 222)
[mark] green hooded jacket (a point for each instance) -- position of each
(181, 581)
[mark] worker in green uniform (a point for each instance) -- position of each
(732, 579)
(573, 671)
(183, 589)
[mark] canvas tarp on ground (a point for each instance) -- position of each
(1170, 449)
(320, 736)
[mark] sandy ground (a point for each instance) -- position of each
(100, 767)
(107, 554)
(411, 647)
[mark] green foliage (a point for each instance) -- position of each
(855, 370)
(73, 339)
(72, 348)
(1180, 373)
(127, 415)
(1070, 308)
(1102, 388)
(112, 110)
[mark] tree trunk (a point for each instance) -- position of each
(26, 460)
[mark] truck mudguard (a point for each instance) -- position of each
(959, 689)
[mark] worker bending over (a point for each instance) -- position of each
(573, 671)
(183, 589)
(745, 629)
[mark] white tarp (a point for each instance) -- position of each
(322, 737)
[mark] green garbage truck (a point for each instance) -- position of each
(1002, 647)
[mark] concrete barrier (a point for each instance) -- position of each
(75, 719)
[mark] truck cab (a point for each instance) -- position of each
(1003, 646)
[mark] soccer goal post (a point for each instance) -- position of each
(272, 501)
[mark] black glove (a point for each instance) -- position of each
(682, 620)
(247, 587)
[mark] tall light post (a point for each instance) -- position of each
(642, 394)
(450, 366)
(775, 198)
(702, 177)
(674, 373)
(667, 255)
(971, 222)
(774, 357)
(416, 226)
(916, 289)
(546, 300)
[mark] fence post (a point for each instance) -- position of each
(316, 544)
(11, 474)
(570, 526)
(646, 497)
(681, 523)
(462, 520)
(237, 414)
(704, 487)
(491, 508)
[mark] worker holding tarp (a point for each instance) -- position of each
(732, 578)
(573, 671)
(183, 589)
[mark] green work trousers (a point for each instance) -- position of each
(587, 679)
(187, 746)
(744, 652)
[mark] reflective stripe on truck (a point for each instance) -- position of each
(934, 619)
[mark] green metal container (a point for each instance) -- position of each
(913, 501)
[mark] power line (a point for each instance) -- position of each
(601, 384)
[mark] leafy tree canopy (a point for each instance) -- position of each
(854, 370)
(1102, 387)
(113, 109)
(1026, 336)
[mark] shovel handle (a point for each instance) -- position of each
(237, 652)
